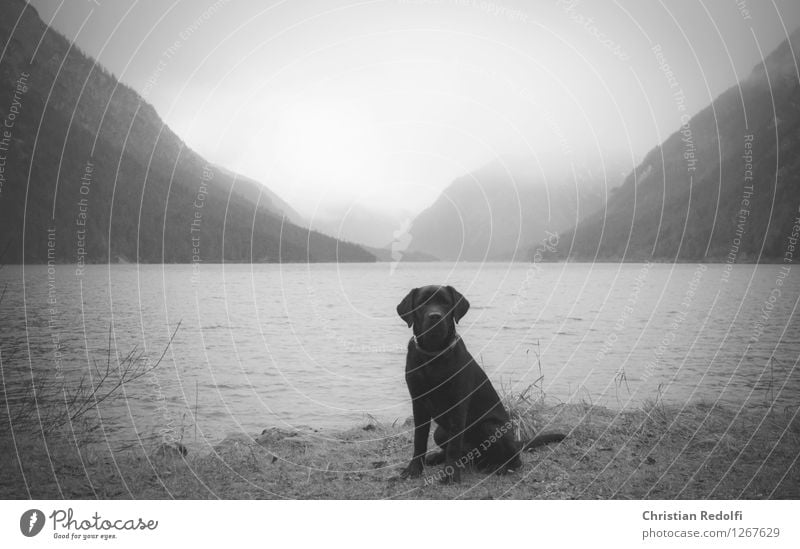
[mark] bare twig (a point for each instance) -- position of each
(88, 393)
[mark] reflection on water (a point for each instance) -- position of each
(321, 345)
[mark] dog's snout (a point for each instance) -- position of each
(435, 315)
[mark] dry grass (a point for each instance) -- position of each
(700, 451)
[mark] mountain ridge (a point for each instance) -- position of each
(147, 197)
(502, 210)
(699, 196)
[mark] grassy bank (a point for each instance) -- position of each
(700, 451)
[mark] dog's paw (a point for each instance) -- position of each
(414, 470)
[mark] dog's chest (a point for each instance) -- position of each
(438, 371)
(440, 385)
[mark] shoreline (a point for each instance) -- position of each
(627, 261)
(656, 452)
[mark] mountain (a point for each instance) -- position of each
(724, 187)
(506, 208)
(90, 173)
(384, 234)
(259, 194)
(358, 223)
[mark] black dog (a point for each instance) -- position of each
(448, 387)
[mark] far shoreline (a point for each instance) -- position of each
(721, 261)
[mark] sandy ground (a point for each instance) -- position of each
(658, 452)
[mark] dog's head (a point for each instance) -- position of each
(433, 312)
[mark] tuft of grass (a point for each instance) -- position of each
(527, 407)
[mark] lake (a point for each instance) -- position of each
(321, 345)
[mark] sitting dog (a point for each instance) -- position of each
(448, 387)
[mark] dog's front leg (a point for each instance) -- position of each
(422, 428)
(454, 452)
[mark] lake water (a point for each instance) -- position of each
(321, 345)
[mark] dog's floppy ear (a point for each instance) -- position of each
(460, 304)
(406, 307)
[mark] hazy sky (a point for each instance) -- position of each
(385, 102)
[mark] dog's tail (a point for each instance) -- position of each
(541, 440)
